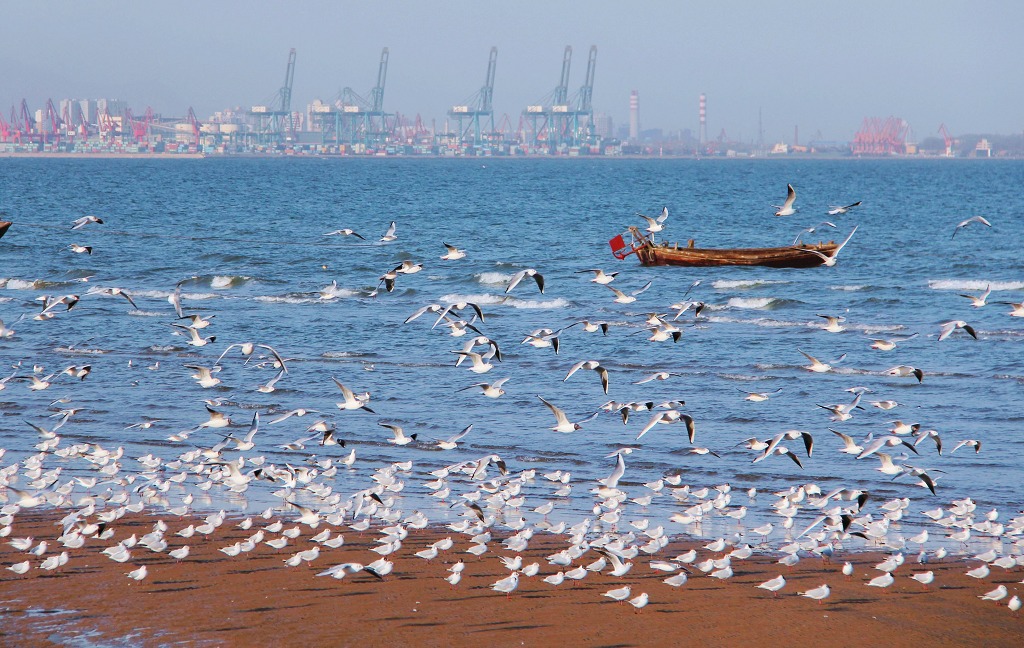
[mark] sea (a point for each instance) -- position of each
(245, 239)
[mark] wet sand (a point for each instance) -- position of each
(212, 599)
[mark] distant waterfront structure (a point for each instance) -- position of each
(634, 116)
(703, 137)
(604, 127)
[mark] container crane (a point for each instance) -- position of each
(274, 123)
(547, 122)
(582, 125)
(363, 121)
(476, 107)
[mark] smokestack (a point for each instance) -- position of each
(703, 121)
(634, 116)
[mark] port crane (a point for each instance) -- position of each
(359, 120)
(948, 138)
(476, 108)
(546, 121)
(275, 124)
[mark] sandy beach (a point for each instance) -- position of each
(209, 598)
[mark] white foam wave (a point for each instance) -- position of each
(751, 303)
(727, 284)
(142, 313)
(494, 277)
(287, 299)
(972, 284)
(854, 288)
(21, 284)
(760, 321)
(340, 354)
(473, 299)
(537, 303)
(6, 299)
(228, 281)
(164, 294)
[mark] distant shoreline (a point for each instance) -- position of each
(283, 156)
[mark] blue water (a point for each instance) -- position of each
(251, 232)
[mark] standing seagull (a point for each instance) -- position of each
(787, 208)
(972, 219)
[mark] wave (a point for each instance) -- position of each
(164, 294)
(142, 313)
(726, 284)
(538, 303)
(494, 277)
(473, 299)
(293, 299)
(754, 303)
(229, 281)
(854, 288)
(21, 284)
(974, 284)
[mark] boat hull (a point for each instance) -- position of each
(778, 257)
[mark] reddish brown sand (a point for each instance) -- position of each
(211, 599)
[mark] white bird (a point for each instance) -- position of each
(600, 277)
(819, 593)
(452, 442)
(204, 375)
(20, 568)
(946, 329)
(399, 435)
(787, 209)
(980, 300)
(905, 371)
(972, 219)
(925, 578)
(640, 601)
(528, 272)
(832, 323)
(817, 366)
(835, 210)
(759, 397)
(830, 259)
(593, 365)
(620, 594)
(345, 232)
(390, 234)
(490, 390)
(138, 574)
(563, 423)
(980, 572)
(996, 595)
(1014, 604)
(885, 580)
(848, 570)
(774, 585)
(79, 249)
(507, 585)
(623, 298)
(79, 223)
(667, 418)
(453, 254)
(889, 345)
(351, 401)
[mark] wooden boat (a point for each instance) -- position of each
(4, 226)
(661, 254)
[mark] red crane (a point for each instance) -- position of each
(948, 138)
(879, 136)
(53, 118)
(194, 123)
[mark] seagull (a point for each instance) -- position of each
(620, 594)
(79, 223)
(1018, 311)
(972, 219)
(996, 595)
(653, 225)
(196, 339)
(905, 371)
(590, 364)
(390, 234)
(774, 585)
(204, 375)
(351, 402)
(817, 366)
(925, 578)
(980, 300)
(600, 277)
(490, 390)
(835, 210)
(885, 580)
(345, 232)
(787, 209)
(658, 375)
(639, 602)
(452, 442)
(812, 230)
(623, 298)
(400, 438)
(564, 424)
(946, 329)
(967, 442)
(507, 585)
(453, 254)
(759, 397)
(113, 292)
(819, 593)
(832, 323)
(889, 345)
(137, 574)
(830, 259)
(528, 272)
(79, 249)
(668, 417)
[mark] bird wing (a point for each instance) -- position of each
(559, 414)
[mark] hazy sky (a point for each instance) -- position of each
(821, 65)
